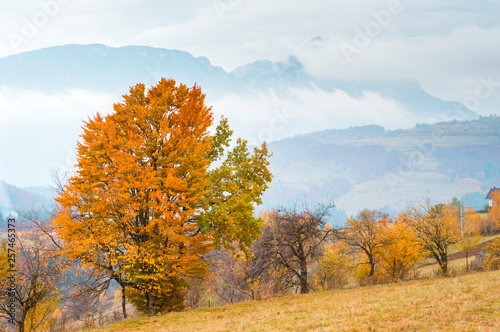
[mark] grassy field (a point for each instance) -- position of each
(467, 303)
(455, 266)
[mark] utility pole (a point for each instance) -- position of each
(460, 211)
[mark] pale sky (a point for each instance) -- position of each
(451, 47)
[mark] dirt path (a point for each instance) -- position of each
(460, 255)
(479, 248)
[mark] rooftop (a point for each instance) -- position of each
(490, 193)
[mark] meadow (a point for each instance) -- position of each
(469, 302)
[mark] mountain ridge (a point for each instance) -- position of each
(97, 67)
(364, 167)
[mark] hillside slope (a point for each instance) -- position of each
(13, 198)
(370, 167)
(465, 303)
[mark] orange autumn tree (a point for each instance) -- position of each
(401, 249)
(494, 210)
(146, 202)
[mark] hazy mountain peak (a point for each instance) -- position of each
(98, 67)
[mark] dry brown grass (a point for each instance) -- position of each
(467, 303)
(430, 268)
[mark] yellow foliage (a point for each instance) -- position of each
(401, 250)
(494, 211)
(117, 297)
(38, 273)
(57, 314)
(437, 228)
(41, 316)
(362, 272)
(472, 222)
(334, 267)
(365, 234)
(493, 251)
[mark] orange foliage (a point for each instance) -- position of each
(493, 252)
(365, 234)
(143, 204)
(494, 211)
(401, 249)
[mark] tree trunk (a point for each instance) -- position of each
(153, 303)
(148, 304)
(20, 326)
(20, 321)
(444, 268)
(304, 289)
(467, 261)
(444, 265)
(372, 268)
(123, 303)
(444, 260)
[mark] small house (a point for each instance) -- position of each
(489, 197)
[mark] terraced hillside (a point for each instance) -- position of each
(369, 167)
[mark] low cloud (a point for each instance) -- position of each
(39, 131)
(448, 66)
(35, 106)
(267, 116)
